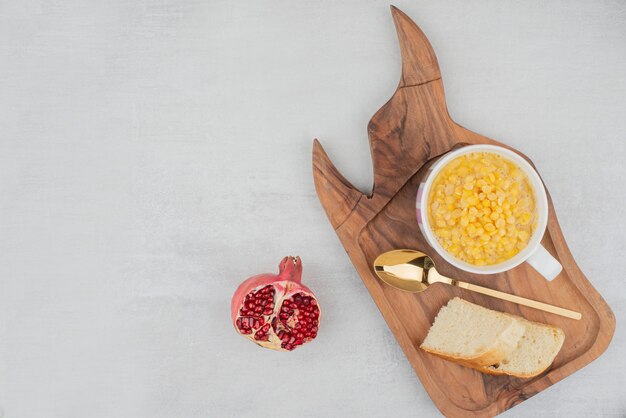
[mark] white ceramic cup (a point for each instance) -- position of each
(534, 253)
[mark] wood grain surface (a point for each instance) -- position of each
(411, 129)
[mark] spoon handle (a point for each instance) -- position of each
(518, 299)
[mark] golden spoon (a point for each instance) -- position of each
(414, 271)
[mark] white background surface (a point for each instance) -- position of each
(155, 153)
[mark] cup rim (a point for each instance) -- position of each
(541, 202)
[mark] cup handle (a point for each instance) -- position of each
(544, 263)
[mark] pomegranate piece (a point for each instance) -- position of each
(277, 311)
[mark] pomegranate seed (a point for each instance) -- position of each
(299, 335)
(284, 315)
(284, 308)
(266, 328)
(288, 347)
(268, 311)
(298, 342)
(261, 336)
(298, 325)
(313, 334)
(250, 305)
(313, 302)
(306, 301)
(258, 309)
(239, 323)
(314, 329)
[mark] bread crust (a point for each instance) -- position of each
(488, 358)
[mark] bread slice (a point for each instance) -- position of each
(472, 336)
(535, 351)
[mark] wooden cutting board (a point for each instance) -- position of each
(411, 129)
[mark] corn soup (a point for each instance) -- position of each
(481, 208)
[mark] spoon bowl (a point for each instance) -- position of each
(406, 270)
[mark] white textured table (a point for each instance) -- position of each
(154, 153)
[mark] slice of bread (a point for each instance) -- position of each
(492, 342)
(535, 351)
(472, 334)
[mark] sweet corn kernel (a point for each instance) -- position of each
(481, 208)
